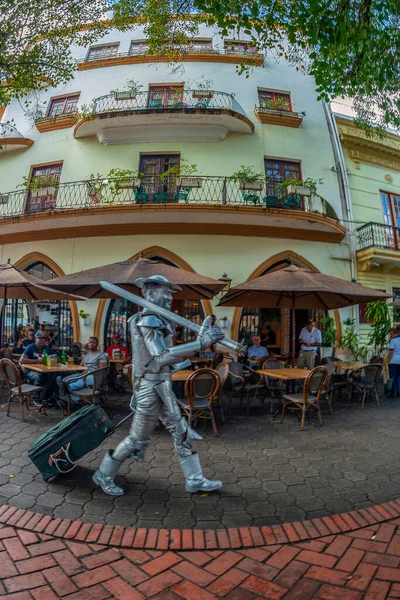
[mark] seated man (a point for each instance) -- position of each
(91, 359)
(33, 355)
(30, 339)
(256, 351)
(118, 346)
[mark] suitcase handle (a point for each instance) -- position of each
(61, 455)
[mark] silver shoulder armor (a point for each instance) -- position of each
(151, 321)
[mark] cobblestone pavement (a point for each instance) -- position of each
(272, 473)
(350, 565)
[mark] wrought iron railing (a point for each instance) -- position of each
(195, 190)
(170, 100)
(144, 51)
(378, 235)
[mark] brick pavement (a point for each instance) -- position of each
(272, 473)
(351, 556)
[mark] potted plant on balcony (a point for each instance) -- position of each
(96, 185)
(301, 187)
(123, 179)
(248, 179)
(203, 89)
(185, 175)
(132, 87)
(41, 185)
(328, 336)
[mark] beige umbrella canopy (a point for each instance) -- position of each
(125, 273)
(17, 284)
(294, 287)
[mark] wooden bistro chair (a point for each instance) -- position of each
(88, 394)
(273, 386)
(308, 400)
(223, 374)
(200, 390)
(365, 381)
(21, 392)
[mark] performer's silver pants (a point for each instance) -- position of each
(154, 400)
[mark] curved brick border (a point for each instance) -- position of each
(198, 539)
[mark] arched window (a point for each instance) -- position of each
(55, 313)
(120, 310)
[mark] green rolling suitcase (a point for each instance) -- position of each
(60, 449)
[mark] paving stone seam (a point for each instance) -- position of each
(198, 539)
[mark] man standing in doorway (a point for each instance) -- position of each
(310, 339)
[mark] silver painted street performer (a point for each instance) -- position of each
(153, 356)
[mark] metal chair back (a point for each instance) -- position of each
(203, 384)
(6, 353)
(10, 373)
(99, 376)
(315, 382)
(272, 363)
(75, 350)
(371, 373)
(376, 360)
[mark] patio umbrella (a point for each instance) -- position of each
(17, 284)
(295, 287)
(125, 273)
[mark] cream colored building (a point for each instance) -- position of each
(373, 173)
(271, 121)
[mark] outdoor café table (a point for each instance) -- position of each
(40, 368)
(182, 375)
(285, 375)
(349, 366)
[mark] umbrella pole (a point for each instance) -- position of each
(4, 317)
(293, 330)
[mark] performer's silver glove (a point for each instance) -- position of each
(209, 337)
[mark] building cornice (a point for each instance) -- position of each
(381, 151)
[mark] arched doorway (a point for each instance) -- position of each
(252, 321)
(120, 310)
(56, 314)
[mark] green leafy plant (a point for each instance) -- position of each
(184, 169)
(328, 332)
(311, 184)
(246, 174)
(378, 315)
(276, 104)
(83, 314)
(120, 178)
(131, 86)
(86, 111)
(97, 184)
(41, 181)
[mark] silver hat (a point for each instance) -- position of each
(157, 279)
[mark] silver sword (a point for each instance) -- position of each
(170, 316)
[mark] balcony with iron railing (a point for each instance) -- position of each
(377, 243)
(186, 205)
(11, 139)
(184, 115)
(188, 53)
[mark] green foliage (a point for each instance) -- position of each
(34, 183)
(132, 86)
(311, 184)
(350, 339)
(36, 39)
(184, 169)
(349, 47)
(328, 332)
(378, 314)
(83, 314)
(246, 174)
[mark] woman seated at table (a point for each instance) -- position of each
(33, 355)
(93, 359)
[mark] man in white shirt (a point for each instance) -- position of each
(310, 338)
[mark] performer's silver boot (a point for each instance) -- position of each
(195, 480)
(104, 476)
